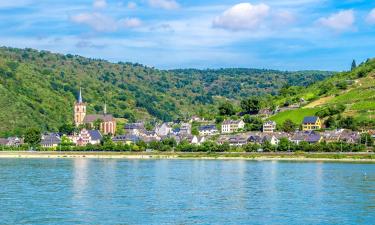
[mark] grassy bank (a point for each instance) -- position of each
(296, 156)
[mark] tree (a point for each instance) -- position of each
(284, 144)
(33, 137)
(366, 139)
(330, 122)
(289, 126)
(67, 128)
(354, 65)
(253, 123)
(226, 109)
(348, 123)
(251, 105)
(65, 141)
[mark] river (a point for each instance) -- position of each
(119, 191)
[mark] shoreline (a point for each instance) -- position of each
(303, 157)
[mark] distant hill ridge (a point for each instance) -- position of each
(38, 88)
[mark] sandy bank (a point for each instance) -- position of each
(330, 157)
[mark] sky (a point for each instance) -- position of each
(168, 34)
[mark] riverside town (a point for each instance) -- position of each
(227, 133)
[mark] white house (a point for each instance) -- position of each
(196, 140)
(230, 126)
(269, 127)
(208, 130)
(51, 140)
(163, 130)
(86, 137)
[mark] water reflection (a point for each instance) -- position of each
(93, 191)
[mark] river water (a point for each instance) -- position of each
(114, 191)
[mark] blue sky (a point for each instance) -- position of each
(274, 34)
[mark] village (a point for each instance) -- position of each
(229, 132)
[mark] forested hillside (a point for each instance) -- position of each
(38, 88)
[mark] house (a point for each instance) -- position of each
(272, 139)
(265, 112)
(163, 130)
(237, 140)
(12, 141)
(185, 129)
(255, 139)
(208, 130)
(196, 118)
(50, 140)
(196, 140)
(126, 139)
(135, 128)
(331, 136)
(311, 123)
(231, 126)
(311, 137)
(107, 122)
(269, 126)
(86, 137)
(350, 137)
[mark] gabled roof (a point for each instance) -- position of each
(50, 139)
(126, 137)
(134, 126)
(93, 117)
(228, 122)
(207, 127)
(270, 122)
(95, 135)
(310, 119)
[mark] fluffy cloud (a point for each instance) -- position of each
(371, 17)
(100, 4)
(164, 4)
(339, 22)
(103, 23)
(242, 16)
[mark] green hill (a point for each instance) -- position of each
(38, 88)
(353, 91)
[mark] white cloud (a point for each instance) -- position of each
(100, 4)
(164, 4)
(339, 22)
(242, 16)
(132, 5)
(103, 23)
(371, 17)
(130, 23)
(97, 21)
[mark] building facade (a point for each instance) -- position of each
(107, 123)
(269, 127)
(230, 126)
(311, 123)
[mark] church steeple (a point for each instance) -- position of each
(105, 108)
(79, 110)
(80, 96)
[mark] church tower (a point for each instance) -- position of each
(79, 110)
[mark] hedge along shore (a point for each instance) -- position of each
(299, 156)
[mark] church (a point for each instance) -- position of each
(108, 122)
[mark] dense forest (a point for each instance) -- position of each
(38, 88)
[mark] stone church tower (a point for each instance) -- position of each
(79, 110)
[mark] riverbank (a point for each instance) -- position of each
(299, 156)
